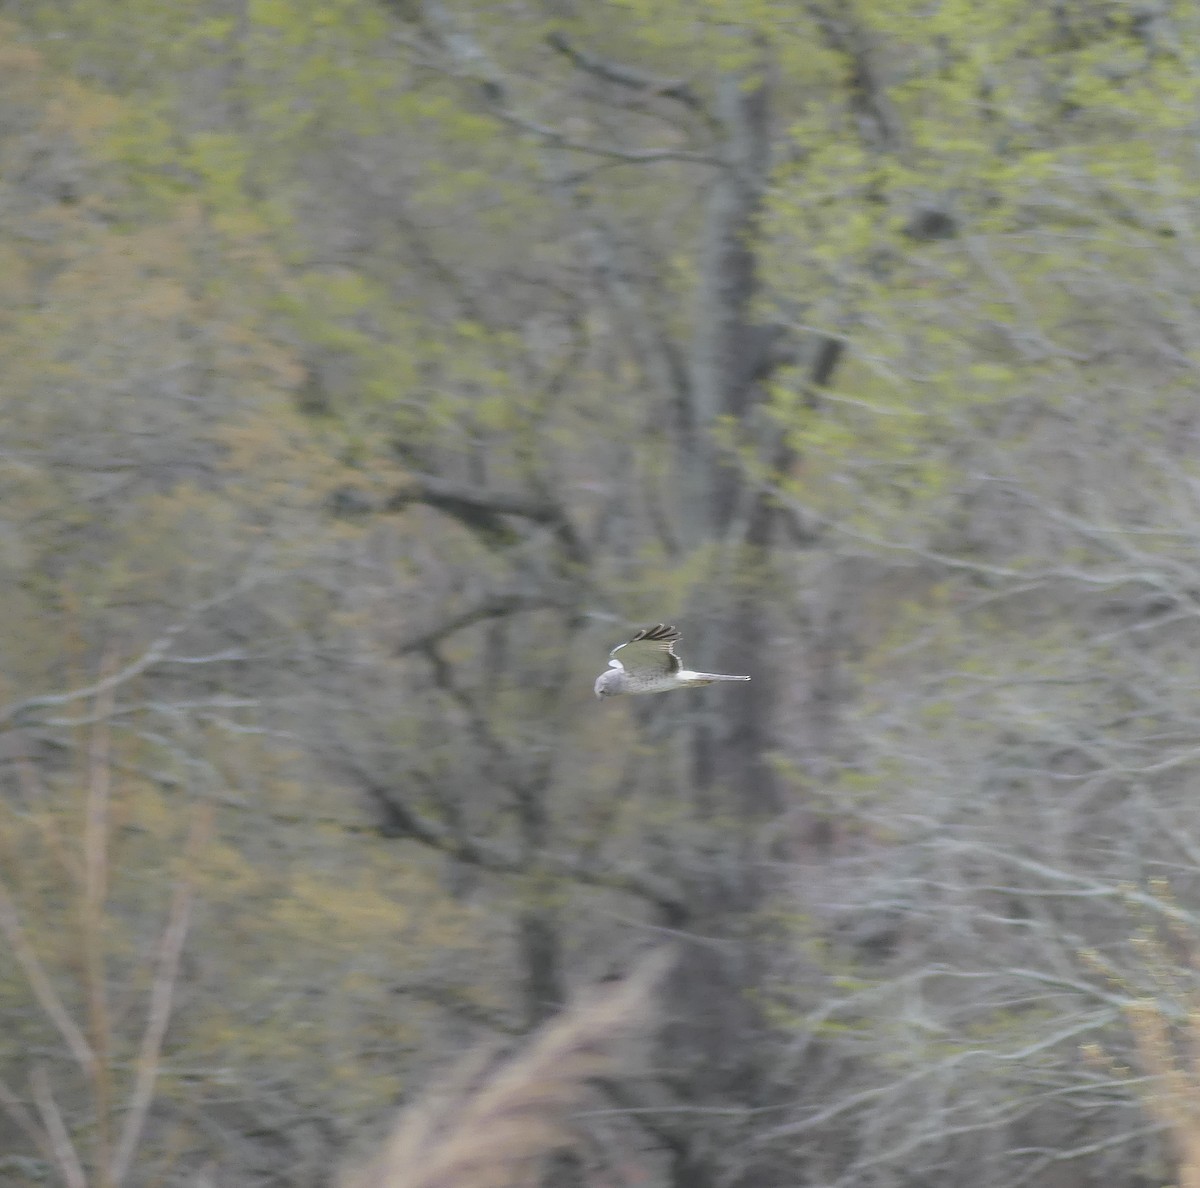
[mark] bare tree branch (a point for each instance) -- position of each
(170, 952)
(468, 60)
(65, 1156)
(41, 985)
(401, 820)
(151, 656)
(24, 1121)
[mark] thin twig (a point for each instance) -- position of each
(151, 656)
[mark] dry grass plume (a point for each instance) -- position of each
(493, 1126)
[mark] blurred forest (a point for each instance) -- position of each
(372, 367)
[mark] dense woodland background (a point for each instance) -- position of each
(371, 367)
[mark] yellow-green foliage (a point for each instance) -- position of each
(1060, 149)
(153, 457)
(293, 957)
(274, 252)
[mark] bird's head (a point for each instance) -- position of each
(606, 684)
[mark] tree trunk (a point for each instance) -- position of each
(730, 362)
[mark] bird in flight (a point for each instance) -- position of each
(649, 665)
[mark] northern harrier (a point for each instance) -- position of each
(650, 665)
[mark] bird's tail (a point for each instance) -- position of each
(707, 678)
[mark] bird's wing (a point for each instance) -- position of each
(650, 653)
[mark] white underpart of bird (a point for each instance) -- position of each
(650, 665)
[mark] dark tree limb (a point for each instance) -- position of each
(878, 119)
(626, 76)
(466, 59)
(462, 499)
(482, 509)
(494, 606)
(443, 675)
(401, 820)
(645, 156)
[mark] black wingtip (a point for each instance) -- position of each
(659, 633)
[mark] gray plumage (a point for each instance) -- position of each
(649, 665)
